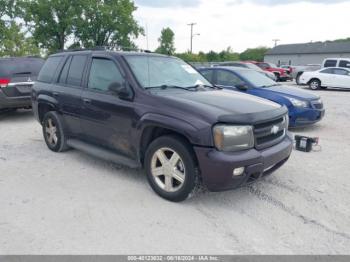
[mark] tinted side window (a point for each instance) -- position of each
(49, 69)
(330, 63)
(103, 73)
(64, 72)
(340, 72)
(344, 63)
(327, 71)
(226, 78)
(76, 69)
(209, 75)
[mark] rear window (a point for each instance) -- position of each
(18, 66)
(49, 69)
(330, 63)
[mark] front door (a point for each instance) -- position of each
(107, 119)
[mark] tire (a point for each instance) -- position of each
(297, 79)
(315, 84)
(53, 132)
(278, 78)
(175, 187)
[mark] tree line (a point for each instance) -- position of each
(167, 46)
(37, 27)
(28, 27)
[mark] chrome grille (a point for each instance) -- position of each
(270, 133)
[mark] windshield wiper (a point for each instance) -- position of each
(266, 86)
(201, 85)
(170, 86)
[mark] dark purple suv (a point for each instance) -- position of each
(158, 113)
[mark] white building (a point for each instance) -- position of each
(304, 54)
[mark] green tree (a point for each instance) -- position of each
(15, 42)
(51, 22)
(166, 42)
(107, 23)
(256, 54)
(213, 57)
(228, 55)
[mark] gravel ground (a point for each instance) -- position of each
(71, 203)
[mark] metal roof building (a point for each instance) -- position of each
(309, 53)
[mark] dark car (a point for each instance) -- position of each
(304, 107)
(17, 76)
(157, 112)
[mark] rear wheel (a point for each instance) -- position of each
(53, 132)
(171, 169)
(315, 84)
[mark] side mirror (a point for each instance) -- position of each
(242, 87)
(120, 90)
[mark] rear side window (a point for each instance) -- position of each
(64, 72)
(340, 72)
(49, 69)
(209, 75)
(76, 69)
(344, 63)
(330, 63)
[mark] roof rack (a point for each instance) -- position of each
(107, 48)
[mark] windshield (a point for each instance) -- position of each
(257, 79)
(157, 71)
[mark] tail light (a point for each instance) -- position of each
(4, 82)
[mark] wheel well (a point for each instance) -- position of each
(152, 133)
(43, 109)
(312, 79)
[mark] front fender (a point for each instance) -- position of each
(200, 136)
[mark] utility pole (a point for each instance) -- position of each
(192, 35)
(276, 41)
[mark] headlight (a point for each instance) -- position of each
(233, 138)
(297, 102)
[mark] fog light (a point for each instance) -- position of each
(238, 171)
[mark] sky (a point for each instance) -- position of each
(242, 24)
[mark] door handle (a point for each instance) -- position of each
(55, 94)
(87, 101)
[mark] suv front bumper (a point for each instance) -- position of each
(14, 102)
(217, 167)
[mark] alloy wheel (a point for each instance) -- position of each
(168, 170)
(51, 132)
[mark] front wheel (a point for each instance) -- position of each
(53, 132)
(171, 169)
(315, 84)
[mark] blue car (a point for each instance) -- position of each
(304, 108)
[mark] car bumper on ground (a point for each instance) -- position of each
(217, 167)
(14, 102)
(305, 116)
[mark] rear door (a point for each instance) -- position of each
(19, 75)
(67, 90)
(106, 119)
(326, 76)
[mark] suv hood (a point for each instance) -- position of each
(221, 104)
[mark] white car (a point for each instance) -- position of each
(327, 77)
